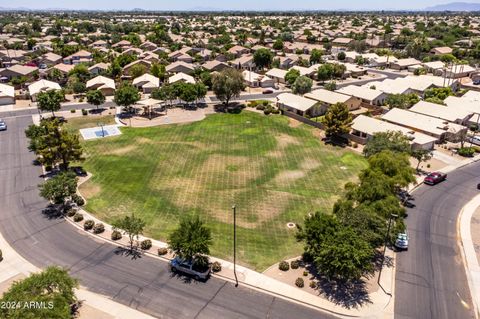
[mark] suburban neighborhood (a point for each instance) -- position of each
(239, 162)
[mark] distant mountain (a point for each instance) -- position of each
(455, 6)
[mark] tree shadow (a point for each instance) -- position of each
(127, 252)
(346, 293)
(53, 211)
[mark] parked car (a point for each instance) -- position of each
(435, 178)
(190, 268)
(3, 125)
(267, 91)
(476, 82)
(402, 241)
(474, 140)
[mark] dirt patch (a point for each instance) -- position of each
(143, 140)
(293, 122)
(309, 164)
(89, 189)
(288, 176)
(122, 150)
(284, 140)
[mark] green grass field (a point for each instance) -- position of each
(274, 172)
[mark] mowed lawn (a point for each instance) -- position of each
(275, 172)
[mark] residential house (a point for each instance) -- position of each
(50, 59)
(18, 71)
(128, 67)
(438, 128)
(278, 75)
(253, 79)
(244, 63)
(403, 64)
(41, 86)
(181, 77)
(366, 95)
(180, 66)
(327, 98)
(441, 50)
(298, 105)
(7, 94)
(450, 114)
(104, 84)
(99, 44)
(238, 50)
(147, 83)
(98, 68)
(365, 127)
(81, 56)
(215, 65)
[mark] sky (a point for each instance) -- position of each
(227, 4)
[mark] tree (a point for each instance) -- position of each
(394, 165)
(394, 141)
(131, 226)
(227, 84)
(187, 92)
(331, 86)
(137, 70)
(278, 44)
(159, 71)
(325, 72)
(200, 91)
(50, 100)
(81, 72)
(95, 97)
(337, 120)
(54, 145)
(191, 239)
(78, 87)
(315, 56)
(302, 85)
(291, 76)
(52, 287)
(421, 155)
(126, 95)
(55, 75)
(438, 93)
(401, 101)
(59, 188)
(263, 58)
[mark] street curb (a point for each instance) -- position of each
(467, 250)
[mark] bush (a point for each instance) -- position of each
(307, 258)
(77, 199)
(71, 212)
(1, 255)
(466, 151)
(73, 111)
(216, 266)
(146, 244)
(283, 266)
(276, 111)
(77, 217)
(162, 251)
(299, 282)
(313, 284)
(305, 273)
(267, 111)
(116, 235)
(428, 165)
(81, 100)
(98, 228)
(84, 112)
(260, 107)
(354, 145)
(294, 264)
(88, 224)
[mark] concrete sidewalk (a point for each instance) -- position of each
(14, 267)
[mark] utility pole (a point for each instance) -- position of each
(235, 244)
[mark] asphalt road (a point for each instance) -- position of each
(430, 278)
(145, 283)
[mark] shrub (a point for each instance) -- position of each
(77, 199)
(84, 112)
(294, 264)
(88, 224)
(116, 235)
(260, 107)
(71, 212)
(283, 266)
(313, 284)
(276, 111)
(98, 228)
(299, 282)
(81, 99)
(354, 145)
(307, 258)
(162, 251)
(1, 255)
(77, 217)
(73, 111)
(428, 165)
(267, 111)
(216, 266)
(146, 244)
(305, 273)
(466, 151)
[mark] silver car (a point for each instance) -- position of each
(3, 125)
(402, 241)
(190, 268)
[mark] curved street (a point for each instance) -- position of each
(430, 278)
(145, 284)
